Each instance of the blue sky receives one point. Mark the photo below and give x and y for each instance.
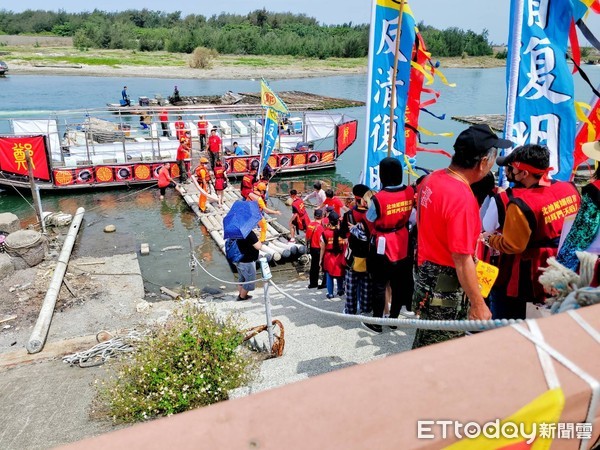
(467, 14)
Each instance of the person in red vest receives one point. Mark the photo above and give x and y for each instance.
(299, 220)
(332, 201)
(531, 231)
(354, 229)
(165, 180)
(389, 260)
(214, 147)
(164, 122)
(202, 132)
(333, 261)
(220, 180)
(314, 230)
(179, 128)
(183, 153)
(247, 185)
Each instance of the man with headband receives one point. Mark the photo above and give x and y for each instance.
(531, 233)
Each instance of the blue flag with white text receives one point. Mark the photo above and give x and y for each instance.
(382, 49)
(270, 134)
(540, 105)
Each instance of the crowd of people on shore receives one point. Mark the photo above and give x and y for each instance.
(418, 249)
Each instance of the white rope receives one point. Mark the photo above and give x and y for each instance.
(101, 352)
(446, 325)
(237, 283)
(590, 380)
(545, 359)
(585, 325)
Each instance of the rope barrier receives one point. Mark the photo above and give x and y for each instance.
(236, 283)
(446, 325)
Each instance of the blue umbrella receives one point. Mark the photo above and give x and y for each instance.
(241, 219)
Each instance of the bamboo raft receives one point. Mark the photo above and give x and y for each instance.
(277, 247)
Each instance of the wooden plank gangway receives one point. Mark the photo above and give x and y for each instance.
(495, 121)
(277, 247)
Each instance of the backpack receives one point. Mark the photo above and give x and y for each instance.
(232, 251)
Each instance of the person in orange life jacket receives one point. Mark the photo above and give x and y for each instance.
(314, 230)
(214, 147)
(202, 180)
(247, 185)
(389, 260)
(299, 220)
(258, 196)
(332, 201)
(449, 226)
(534, 221)
(164, 122)
(202, 132)
(179, 128)
(165, 180)
(220, 180)
(183, 153)
(332, 258)
(354, 229)
(584, 235)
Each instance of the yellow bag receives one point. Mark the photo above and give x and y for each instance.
(359, 264)
(486, 277)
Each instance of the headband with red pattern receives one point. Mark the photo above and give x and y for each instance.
(544, 181)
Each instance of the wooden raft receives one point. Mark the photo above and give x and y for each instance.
(277, 247)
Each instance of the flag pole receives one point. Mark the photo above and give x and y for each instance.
(394, 75)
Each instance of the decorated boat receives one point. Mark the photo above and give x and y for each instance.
(95, 148)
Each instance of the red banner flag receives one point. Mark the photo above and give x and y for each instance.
(13, 159)
(346, 135)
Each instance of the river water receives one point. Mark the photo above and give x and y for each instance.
(139, 215)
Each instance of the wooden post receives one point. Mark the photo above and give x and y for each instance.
(394, 75)
(35, 193)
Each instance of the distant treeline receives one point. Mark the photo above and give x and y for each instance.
(257, 33)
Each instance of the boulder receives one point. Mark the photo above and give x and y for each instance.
(6, 266)
(9, 222)
(26, 247)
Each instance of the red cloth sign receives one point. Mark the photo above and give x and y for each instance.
(346, 135)
(13, 159)
(582, 135)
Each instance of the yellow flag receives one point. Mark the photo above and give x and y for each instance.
(270, 99)
(538, 419)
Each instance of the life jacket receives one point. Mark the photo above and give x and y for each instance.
(545, 208)
(164, 116)
(219, 172)
(298, 205)
(202, 127)
(333, 263)
(394, 206)
(247, 185)
(203, 176)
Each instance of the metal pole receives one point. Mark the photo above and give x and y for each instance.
(192, 260)
(266, 273)
(35, 193)
(394, 75)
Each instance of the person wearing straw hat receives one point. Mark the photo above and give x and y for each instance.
(584, 234)
(531, 232)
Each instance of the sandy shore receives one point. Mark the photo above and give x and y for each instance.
(215, 73)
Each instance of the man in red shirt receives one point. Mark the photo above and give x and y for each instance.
(449, 225)
(179, 128)
(299, 220)
(183, 153)
(313, 241)
(165, 180)
(214, 147)
(332, 201)
(164, 122)
(202, 132)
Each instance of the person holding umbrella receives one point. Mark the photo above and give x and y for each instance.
(238, 225)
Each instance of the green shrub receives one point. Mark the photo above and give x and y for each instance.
(193, 360)
(503, 54)
(201, 58)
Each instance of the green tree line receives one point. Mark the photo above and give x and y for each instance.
(257, 33)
